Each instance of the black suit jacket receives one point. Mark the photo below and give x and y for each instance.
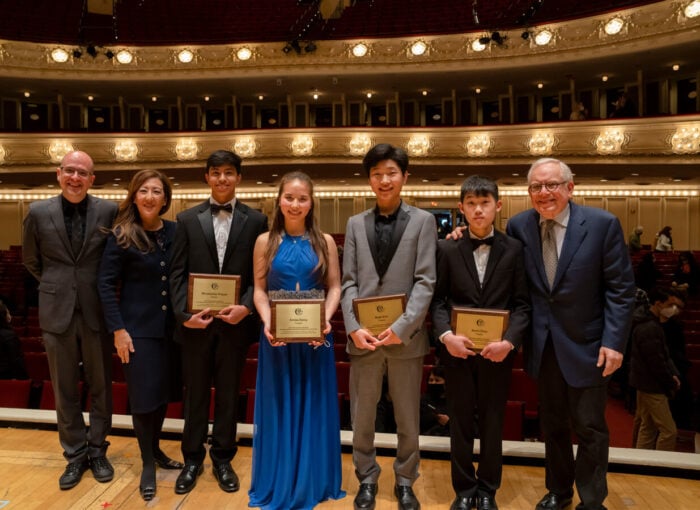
(194, 251)
(504, 287)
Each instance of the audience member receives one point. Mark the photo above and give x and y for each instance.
(296, 440)
(664, 241)
(579, 112)
(652, 372)
(646, 274)
(11, 357)
(389, 250)
(635, 240)
(624, 107)
(133, 286)
(687, 274)
(434, 420)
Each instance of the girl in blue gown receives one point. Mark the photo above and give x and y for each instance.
(296, 439)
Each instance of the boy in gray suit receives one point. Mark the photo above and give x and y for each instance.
(62, 247)
(389, 250)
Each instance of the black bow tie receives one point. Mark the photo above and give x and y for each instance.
(215, 208)
(478, 242)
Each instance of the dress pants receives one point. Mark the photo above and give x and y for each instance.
(563, 410)
(65, 353)
(212, 355)
(477, 390)
(404, 376)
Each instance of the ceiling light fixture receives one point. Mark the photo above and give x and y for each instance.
(125, 57)
(543, 37)
(604, 77)
(91, 98)
(614, 26)
(692, 10)
(478, 45)
(185, 56)
(244, 53)
(369, 95)
(59, 55)
(27, 93)
(418, 48)
(360, 50)
(675, 67)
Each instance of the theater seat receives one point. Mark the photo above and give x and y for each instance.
(15, 393)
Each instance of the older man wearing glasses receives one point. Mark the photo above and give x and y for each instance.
(582, 291)
(62, 247)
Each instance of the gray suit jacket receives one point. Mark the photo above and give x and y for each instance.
(411, 271)
(63, 278)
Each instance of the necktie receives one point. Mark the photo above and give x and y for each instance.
(480, 242)
(549, 251)
(76, 235)
(215, 208)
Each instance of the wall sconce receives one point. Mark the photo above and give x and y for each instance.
(692, 10)
(58, 149)
(126, 151)
(610, 141)
(245, 147)
(418, 48)
(613, 26)
(686, 140)
(477, 45)
(541, 144)
(186, 149)
(359, 145)
(2, 154)
(418, 145)
(543, 37)
(185, 56)
(478, 145)
(302, 145)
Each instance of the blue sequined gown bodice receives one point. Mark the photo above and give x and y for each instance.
(296, 441)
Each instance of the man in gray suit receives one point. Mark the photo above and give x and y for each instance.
(389, 249)
(62, 248)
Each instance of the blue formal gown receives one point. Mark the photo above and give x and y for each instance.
(296, 439)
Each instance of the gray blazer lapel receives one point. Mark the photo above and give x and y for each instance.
(207, 225)
(90, 222)
(56, 214)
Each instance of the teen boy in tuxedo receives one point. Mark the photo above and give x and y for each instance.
(483, 269)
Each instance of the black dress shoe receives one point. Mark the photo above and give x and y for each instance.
(72, 475)
(147, 491)
(102, 470)
(187, 478)
(364, 500)
(226, 476)
(486, 503)
(407, 500)
(462, 503)
(553, 501)
(165, 462)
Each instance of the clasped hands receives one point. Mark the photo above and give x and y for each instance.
(231, 314)
(363, 339)
(457, 346)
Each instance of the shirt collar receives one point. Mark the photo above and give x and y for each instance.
(390, 217)
(560, 219)
(69, 207)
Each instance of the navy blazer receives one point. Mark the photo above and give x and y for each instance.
(592, 299)
(143, 305)
(504, 286)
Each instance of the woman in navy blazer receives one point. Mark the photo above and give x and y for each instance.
(136, 261)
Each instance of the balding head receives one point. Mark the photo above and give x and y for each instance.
(75, 175)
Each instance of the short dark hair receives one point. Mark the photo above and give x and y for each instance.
(223, 157)
(661, 294)
(480, 186)
(382, 152)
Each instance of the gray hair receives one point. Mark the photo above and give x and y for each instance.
(566, 174)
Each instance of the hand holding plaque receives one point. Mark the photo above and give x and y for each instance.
(375, 314)
(213, 291)
(297, 316)
(480, 325)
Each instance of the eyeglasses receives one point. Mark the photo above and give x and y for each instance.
(70, 172)
(549, 186)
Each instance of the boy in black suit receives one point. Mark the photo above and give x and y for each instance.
(482, 270)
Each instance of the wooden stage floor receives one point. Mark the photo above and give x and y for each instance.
(31, 462)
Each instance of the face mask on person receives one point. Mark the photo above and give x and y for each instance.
(669, 311)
